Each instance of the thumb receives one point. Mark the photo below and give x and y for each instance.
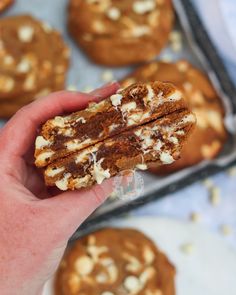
(68, 210)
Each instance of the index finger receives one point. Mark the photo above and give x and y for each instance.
(19, 133)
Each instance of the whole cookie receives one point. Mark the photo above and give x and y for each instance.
(4, 4)
(33, 62)
(115, 262)
(209, 135)
(116, 33)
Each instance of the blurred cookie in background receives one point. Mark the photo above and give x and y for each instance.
(209, 135)
(115, 261)
(33, 62)
(4, 4)
(117, 33)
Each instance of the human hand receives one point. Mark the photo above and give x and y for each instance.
(35, 227)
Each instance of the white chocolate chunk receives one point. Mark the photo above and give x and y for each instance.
(99, 173)
(148, 255)
(53, 172)
(84, 265)
(81, 119)
(41, 142)
(113, 13)
(177, 95)
(44, 156)
(113, 273)
(81, 182)
(132, 284)
(139, 31)
(128, 106)
(58, 122)
(142, 7)
(142, 166)
(62, 184)
(166, 158)
(23, 66)
(107, 293)
(174, 140)
(75, 144)
(158, 146)
(150, 95)
(26, 33)
(146, 275)
(96, 251)
(107, 76)
(116, 99)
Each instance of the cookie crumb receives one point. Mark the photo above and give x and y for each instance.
(195, 217)
(188, 248)
(215, 197)
(208, 183)
(107, 76)
(226, 230)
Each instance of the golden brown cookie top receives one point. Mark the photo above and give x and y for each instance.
(33, 57)
(121, 19)
(112, 262)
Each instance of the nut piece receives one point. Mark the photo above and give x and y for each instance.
(84, 265)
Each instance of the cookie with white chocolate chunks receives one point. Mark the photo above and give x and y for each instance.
(4, 4)
(117, 33)
(130, 107)
(159, 141)
(33, 62)
(210, 134)
(113, 262)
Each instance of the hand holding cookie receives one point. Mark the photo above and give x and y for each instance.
(30, 220)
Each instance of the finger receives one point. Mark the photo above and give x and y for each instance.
(19, 133)
(68, 210)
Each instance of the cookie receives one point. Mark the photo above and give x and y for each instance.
(138, 125)
(33, 62)
(4, 4)
(117, 33)
(115, 261)
(209, 136)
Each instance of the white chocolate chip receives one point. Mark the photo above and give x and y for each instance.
(81, 182)
(58, 122)
(187, 248)
(148, 255)
(62, 184)
(177, 95)
(6, 83)
(166, 158)
(113, 273)
(116, 99)
(41, 142)
(113, 13)
(215, 197)
(8, 60)
(226, 230)
(146, 275)
(96, 251)
(43, 157)
(26, 33)
(99, 173)
(46, 27)
(132, 284)
(139, 31)
(142, 166)
(23, 66)
(151, 94)
(195, 217)
(107, 293)
(29, 83)
(173, 139)
(182, 66)
(142, 7)
(102, 278)
(210, 150)
(84, 265)
(128, 106)
(107, 76)
(53, 172)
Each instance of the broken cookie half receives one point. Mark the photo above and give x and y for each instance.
(141, 124)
